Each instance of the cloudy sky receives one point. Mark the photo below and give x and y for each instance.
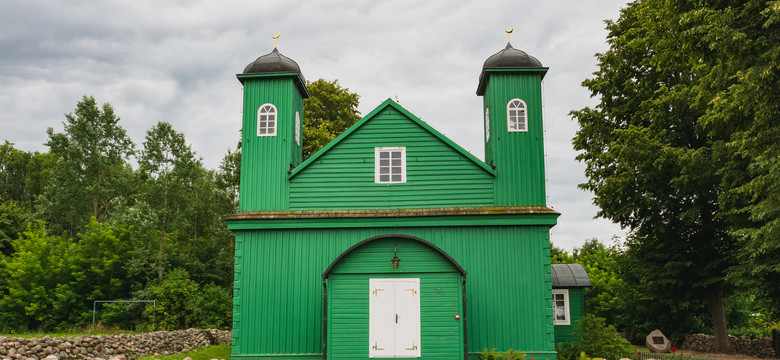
(176, 60)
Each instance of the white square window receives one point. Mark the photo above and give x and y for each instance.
(561, 307)
(389, 165)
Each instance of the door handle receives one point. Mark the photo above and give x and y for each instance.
(396, 318)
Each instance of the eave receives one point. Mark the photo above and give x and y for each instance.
(458, 216)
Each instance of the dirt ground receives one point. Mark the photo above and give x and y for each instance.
(719, 356)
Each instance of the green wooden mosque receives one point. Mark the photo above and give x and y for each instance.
(392, 241)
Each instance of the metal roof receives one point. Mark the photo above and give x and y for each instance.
(274, 63)
(508, 60)
(511, 58)
(569, 276)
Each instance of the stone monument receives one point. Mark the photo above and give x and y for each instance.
(656, 342)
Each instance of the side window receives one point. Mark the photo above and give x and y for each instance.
(517, 116)
(297, 128)
(561, 307)
(487, 124)
(266, 120)
(389, 165)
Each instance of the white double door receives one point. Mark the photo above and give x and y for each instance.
(394, 318)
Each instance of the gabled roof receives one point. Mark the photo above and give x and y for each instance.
(570, 276)
(402, 110)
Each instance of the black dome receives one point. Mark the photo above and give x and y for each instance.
(273, 63)
(506, 60)
(511, 58)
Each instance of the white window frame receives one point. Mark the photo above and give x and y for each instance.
(566, 313)
(267, 113)
(517, 116)
(487, 124)
(297, 128)
(378, 166)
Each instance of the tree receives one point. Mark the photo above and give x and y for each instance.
(745, 82)
(169, 168)
(13, 220)
(29, 278)
(23, 175)
(328, 112)
(659, 147)
(229, 174)
(91, 168)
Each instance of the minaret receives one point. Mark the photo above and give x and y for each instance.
(510, 86)
(274, 89)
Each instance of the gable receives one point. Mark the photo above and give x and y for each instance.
(438, 172)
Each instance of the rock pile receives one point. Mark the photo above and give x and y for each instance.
(754, 347)
(117, 347)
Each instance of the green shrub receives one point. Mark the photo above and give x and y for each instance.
(597, 339)
(491, 354)
(756, 327)
(513, 355)
(182, 303)
(510, 354)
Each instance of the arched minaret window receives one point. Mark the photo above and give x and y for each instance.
(517, 117)
(266, 120)
(297, 128)
(487, 124)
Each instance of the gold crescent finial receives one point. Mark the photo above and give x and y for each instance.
(509, 32)
(276, 37)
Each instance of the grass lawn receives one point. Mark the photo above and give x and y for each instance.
(204, 353)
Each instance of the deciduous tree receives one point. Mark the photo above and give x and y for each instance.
(329, 111)
(680, 89)
(13, 220)
(23, 175)
(91, 168)
(169, 171)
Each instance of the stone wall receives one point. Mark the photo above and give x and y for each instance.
(754, 347)
(131, 346)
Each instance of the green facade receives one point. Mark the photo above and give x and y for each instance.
(438, 174)
(278, 284)
(269, 157)
(565, 333)
(441, 287)
(518, 157)
(310, 235)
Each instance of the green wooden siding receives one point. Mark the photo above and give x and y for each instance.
(517, 156)
(437, 174)
(278, 300)
(564, 333)
(267, 159)
(441, 295)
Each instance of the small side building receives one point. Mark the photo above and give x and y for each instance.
(570, 282)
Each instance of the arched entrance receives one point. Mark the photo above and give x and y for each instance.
(374, 310)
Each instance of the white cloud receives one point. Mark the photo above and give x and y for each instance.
(165, 60)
